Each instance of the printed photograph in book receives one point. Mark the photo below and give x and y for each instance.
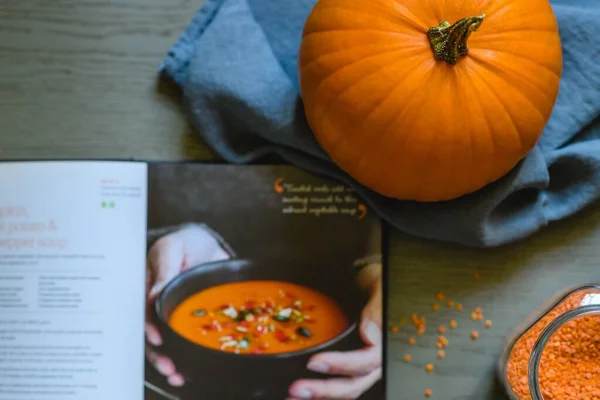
(263, 282)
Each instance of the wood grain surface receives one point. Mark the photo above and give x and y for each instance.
(515, 280)
(78, 80)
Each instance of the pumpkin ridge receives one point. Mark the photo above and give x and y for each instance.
(391, 49)
(518, 91)
(501, 103)
(518, 30)
(426, 185)
(354, 63)
(361, 5)
(533, 61)
(371, 30)
(437, 9)
(503, 37)
(389, 127)
(362, 78)
(409, 17)
(347, 88)
(389, 94)
(464, 104)
(501, 7)
(380, 103)
(361, 13)
(524, 81)
(484, 5)
(488, 125)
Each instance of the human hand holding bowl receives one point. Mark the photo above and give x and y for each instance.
(167, 258)
(361, 368)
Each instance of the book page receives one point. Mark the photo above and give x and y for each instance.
(72, 257)
(267, 281)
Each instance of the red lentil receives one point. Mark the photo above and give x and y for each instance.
(428, 393)
(450, 304)
(443, 341)
(488, 324)
(477, 275)
(429, 367)
(440, 296)
(453, 324)
(474, 335)
(477, 315)
(420, 323)
(412, 341)
(442, 329)
(414, 319)
(441, 354)
(407, 358)
(435, 307)
(459, 307)
(569, 368)
(395, 329)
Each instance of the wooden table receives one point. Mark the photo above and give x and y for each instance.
(78, 80)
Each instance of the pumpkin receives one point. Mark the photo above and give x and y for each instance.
(429, 100)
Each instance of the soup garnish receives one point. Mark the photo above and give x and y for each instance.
(259, 317)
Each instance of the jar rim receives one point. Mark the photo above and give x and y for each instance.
(540, 344)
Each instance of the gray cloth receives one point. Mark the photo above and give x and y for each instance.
(236, 63)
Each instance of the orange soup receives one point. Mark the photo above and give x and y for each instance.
(258, 317)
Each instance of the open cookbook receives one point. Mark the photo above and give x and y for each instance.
(132, 280)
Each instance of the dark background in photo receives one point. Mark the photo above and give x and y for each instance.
(242, 205)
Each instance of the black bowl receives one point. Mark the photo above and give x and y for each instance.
(213, 374)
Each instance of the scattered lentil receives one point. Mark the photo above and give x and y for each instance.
(395, 329)
(450, 304)
(474, 335)
(420, 323)
(435, 307)
(429, 367)
(442, 329)
(412, 341)
(453, 324)
(440, 296)
(488, 324)
(443, 341)
(403, 320)
(477, 314)
(428, 393)
(407, 358)
(477, 275)
(441, 354)
(414, 319)
(459, 307)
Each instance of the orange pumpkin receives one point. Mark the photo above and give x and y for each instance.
(429, 100)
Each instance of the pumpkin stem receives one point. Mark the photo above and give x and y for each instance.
(449, 42)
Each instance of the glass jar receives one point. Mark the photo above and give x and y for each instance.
(554, 354)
